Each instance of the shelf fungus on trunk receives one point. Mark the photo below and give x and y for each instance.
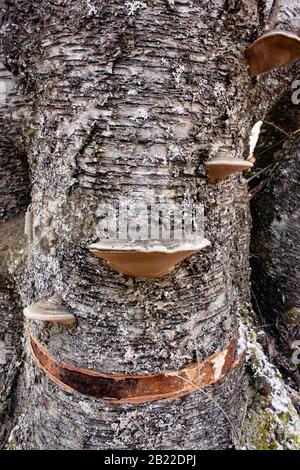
(119, 389)
(272, 50)
(148, 261)
(50, 310)
(219, 168)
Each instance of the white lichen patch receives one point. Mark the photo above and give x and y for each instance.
(91, 7)
(202, 89)
(262, 368)
(132, 93)
(140, 115)
(175, 153)
(178, 109)
(165, 62)
(178, 74)
(133, 7)
(243, 340)
(155, 159)
(219, 92)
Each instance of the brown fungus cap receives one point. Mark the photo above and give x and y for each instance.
(271, 51)
(152, 263)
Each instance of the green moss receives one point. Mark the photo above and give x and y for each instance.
(11, 445)
(292, 316)
(272, 422)
(268, 431)
(263, 439)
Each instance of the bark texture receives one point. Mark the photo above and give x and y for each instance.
(129, 99)
(14, 191)
(282, 15)
(276, 236)
(13, 167)
(275, 252)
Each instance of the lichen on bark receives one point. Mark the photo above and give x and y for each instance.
(272, 422)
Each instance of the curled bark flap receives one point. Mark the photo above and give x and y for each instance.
(123, 388)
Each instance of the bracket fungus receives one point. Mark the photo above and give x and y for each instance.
(219, 168)
(50, 310)
(272, 50)
(146, 261)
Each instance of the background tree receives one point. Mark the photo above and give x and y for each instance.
(275, 232)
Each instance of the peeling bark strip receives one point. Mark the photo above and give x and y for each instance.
(124, 388)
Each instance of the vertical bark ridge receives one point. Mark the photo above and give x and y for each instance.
(14, 184)
(14, 181)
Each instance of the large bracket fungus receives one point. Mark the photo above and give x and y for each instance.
(146, 261)
(272, 50)
(50, 310)
(280, 44)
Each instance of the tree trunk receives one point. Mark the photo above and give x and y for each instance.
(275, 233)
(129, 101)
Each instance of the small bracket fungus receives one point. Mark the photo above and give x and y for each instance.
(50, 310)
(146, 262)
(220, 168)
(271, 51)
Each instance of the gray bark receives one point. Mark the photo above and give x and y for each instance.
(13, 166)
(131, 102)
(282, 15)
(14, 191)
(275, 248)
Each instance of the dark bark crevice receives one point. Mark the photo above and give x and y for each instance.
(275, 233)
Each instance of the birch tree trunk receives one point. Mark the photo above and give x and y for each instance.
(129, 100)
